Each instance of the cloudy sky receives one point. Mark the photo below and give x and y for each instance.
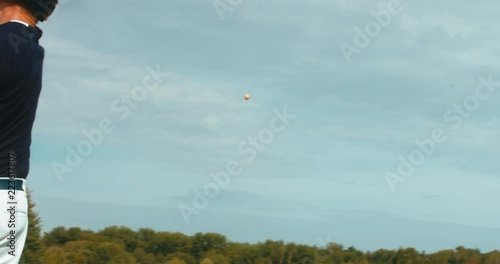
(359, 100)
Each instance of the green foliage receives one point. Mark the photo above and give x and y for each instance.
(125, 246)
(183, 256)
(59, 236)
(144, 258)
(123, 236)
(122, 245)
(492, 258)
(205, 242)
(206, 261)
(176, 261)
(55, 255)
(168, 243)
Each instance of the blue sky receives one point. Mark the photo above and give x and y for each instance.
(325, 173)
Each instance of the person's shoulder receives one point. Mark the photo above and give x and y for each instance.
(5, 46)
(10, 37)
(16, 37)
(9, 32)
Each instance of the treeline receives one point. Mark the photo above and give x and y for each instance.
(121, 245)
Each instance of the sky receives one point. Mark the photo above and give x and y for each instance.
(371, 123)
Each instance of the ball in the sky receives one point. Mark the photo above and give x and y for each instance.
(247, 97)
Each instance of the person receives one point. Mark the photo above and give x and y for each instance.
(21, 64)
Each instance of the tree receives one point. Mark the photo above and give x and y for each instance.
(204, 242)
(168, 243)
(241, 253)
(34, 248)
(111, 253)
(442, 257)
(215, 257)
(406, 255)
(144, 258)
(263, 261)
(206, 261)
(55, 255)
(467, 256)
(382, 256)
(176, 261)
(122, 235)
(188, 259)
(492, 258)
(80, 252)
(121, 245)
(58, 236)
(147, 238)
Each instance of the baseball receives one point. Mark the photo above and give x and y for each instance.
(247, 96)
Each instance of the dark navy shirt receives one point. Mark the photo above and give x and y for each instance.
(21, 63)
